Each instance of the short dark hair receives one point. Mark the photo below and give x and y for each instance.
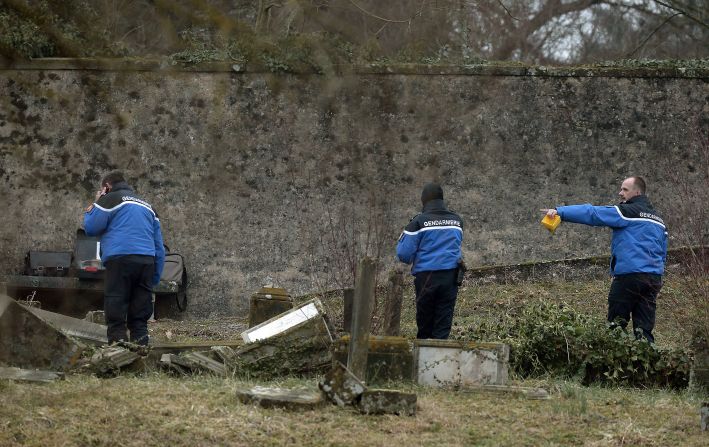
(639, 183)
(112, 178)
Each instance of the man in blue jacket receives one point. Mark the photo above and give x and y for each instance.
(431, 243)
(638, 253)
(133, 253)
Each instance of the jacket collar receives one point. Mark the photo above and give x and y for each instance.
(124, 186)
(642, 198)
(435, 205)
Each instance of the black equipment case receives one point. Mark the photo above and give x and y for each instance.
(47, 263)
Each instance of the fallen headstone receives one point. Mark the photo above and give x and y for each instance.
(29, 375)
(450, 363)
(166, 362)
(389, 359)
(296, 342)
(379, 401)
(226, 354)
(28, 342)
(83, 330)
(193, 361)
(341, 387)
(110, 359)
(279, 397)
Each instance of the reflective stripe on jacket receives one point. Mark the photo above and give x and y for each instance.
(639, 241)
(432, 240)
(126, 225)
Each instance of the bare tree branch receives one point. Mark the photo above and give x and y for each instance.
(653, 32)
(682, 10)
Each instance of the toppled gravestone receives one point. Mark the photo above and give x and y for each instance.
(226, 354)
(380, 401)
(268, 397)
(190, 362)
(453, 363)
(84, 331)
(28, 342)
(295, 342)
(389, 359)
(341, 387)
(109, 360)
(29, 375)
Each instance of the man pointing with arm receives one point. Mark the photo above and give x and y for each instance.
(638, 253)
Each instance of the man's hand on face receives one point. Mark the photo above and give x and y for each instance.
(100, 193)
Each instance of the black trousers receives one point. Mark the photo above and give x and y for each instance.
(128, 297)
(436, 292)
(634, 294)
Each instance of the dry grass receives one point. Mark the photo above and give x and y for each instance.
(156, 409)
(161, 410)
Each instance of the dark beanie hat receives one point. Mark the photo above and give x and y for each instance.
(430, 192)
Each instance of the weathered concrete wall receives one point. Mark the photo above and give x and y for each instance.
(262, 178)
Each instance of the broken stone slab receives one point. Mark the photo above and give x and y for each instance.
(381, 401)
(83, 330)
(269, 397)
(389, 359)
(226, 354)
(166, 362)
(341, 387)
(297, 342)
(26, 341)
(193, 361)
(285, 322)
(454, 364)
(527, 392)
(29, 375)
(110, 359)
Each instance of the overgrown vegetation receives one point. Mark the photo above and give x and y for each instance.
(553, 339)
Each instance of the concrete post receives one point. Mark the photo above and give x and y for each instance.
(348, 297)
(392, 310)
(361, 317)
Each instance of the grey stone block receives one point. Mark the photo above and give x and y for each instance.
(380, 401)
(268, 397)
(341, 387)
(28, 342)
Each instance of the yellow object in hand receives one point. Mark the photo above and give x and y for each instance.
(551, 223)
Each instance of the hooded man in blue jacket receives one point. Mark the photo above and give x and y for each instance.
(133, 253)
(638, 253)
(431, 243)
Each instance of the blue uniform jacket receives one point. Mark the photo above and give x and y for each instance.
(432, 240)
(639, 242)
(127, 225)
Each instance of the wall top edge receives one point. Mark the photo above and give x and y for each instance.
(483, 69)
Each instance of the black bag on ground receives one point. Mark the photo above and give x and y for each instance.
(47, 263)
(174, 273)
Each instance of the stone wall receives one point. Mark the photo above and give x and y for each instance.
(286, 178)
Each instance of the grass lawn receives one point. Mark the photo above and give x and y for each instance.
(157, 409)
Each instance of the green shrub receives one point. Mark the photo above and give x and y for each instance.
(548, 338)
